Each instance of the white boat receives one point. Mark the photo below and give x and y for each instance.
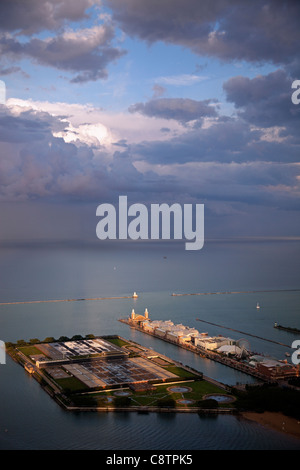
(257, 305)
(135, 296)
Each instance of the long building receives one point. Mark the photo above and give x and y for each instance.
(223, 349)
(179, 333)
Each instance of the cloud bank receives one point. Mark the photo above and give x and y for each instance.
(160, 147)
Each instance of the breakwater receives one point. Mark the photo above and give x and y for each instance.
(243, 333)
(236, 292)
(287, 328)
(65, 300)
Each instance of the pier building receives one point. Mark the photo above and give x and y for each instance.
(178, 333)
(139, 318)
(231, 352)
(214, 343)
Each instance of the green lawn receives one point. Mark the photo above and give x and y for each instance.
(71, 383)
(198, 390)
(117, 341)
(30, 351)
(150, 398)
(180, 372)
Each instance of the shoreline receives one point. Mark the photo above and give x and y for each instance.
(276, 421)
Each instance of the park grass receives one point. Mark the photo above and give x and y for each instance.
(198, 389)
(71, 384)
(180, 372)
(30, 351)
(150, 398)
(117, 341)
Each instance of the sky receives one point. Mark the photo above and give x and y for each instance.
(165, 101)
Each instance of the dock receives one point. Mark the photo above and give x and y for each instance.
(242, 367)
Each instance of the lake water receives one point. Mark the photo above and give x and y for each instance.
(30, 419)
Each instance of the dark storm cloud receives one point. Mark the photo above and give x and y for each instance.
(227, 144)
(29, 126)
(180, 109)
(32, 16)
(36, 165)
(230, 162)
(87, 52)
(219, 166)
(225, 141)
(227, 29)
(264, 100)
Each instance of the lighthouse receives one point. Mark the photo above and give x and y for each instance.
(146, 314)
(133, 314)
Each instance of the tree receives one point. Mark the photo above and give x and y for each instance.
(50, 339)
(166, 402)
(62, 339)
(210, 403)
(122, 401)
(34, 341)
(76, 337)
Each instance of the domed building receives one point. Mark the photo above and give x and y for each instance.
(138, 318)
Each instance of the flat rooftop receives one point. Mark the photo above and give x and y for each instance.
(84, 347)
(112, 372)
(100, 363)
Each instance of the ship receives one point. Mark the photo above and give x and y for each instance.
(257, 305)
(135, 296)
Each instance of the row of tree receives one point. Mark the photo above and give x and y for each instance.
(49, 339)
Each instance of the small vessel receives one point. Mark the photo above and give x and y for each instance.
(257, 305)
(135, 296)
(287, 354)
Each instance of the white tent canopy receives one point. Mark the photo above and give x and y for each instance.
(230, 349)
